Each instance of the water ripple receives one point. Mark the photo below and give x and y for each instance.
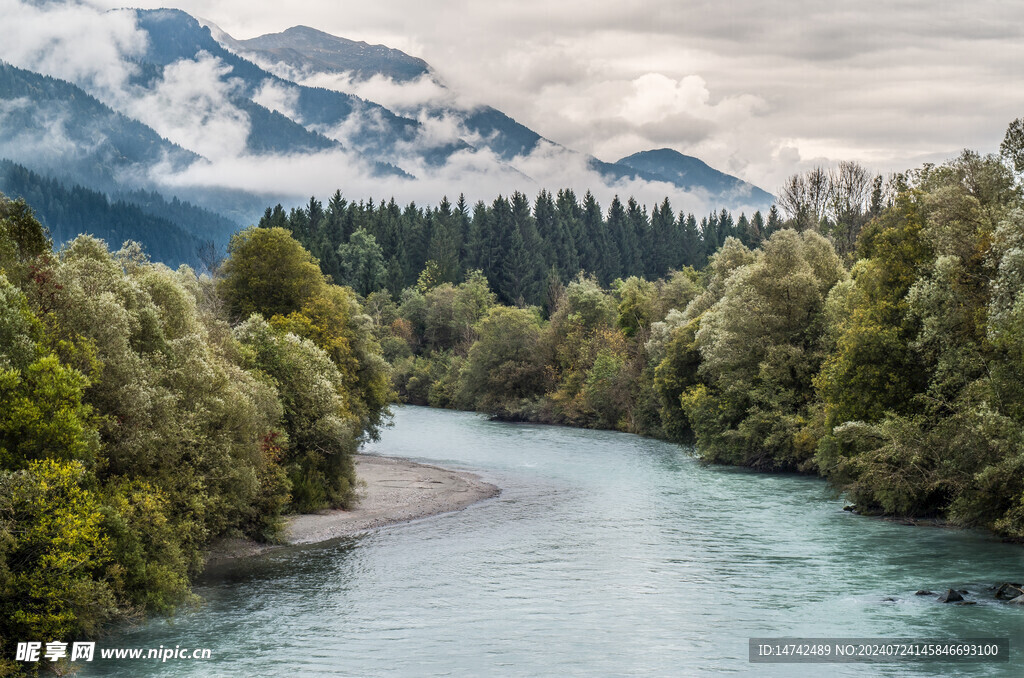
(605, 555)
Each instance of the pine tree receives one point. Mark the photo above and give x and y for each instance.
(477, 250)
(337, 213)
(618, 236)
(692, 245)
(417, 239)
(276, 218)
(547, 228)
(756, 229)
(314, 216)
(662, 225)
(726, 228)
(464, 224)
(496, 247)
(591, 232)
(516, 271)
(567, 224)
(774, 223)
(632, 249)
(743, 229)
(709, 234)
(445, 242)
(533, 275)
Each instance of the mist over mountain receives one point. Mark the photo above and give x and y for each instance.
(57, 126)
(67, 211)
(309, 55)
(156, 102)
(684, 170)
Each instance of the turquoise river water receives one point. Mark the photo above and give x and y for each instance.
(605, 555)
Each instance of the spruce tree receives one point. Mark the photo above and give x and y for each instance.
(726, 228)
(616, 227)
(692, 245)
(568, 226)
(533, 245)
(464, 223)
(774, 223)
(591, 231)
(632, 248)
(445, 242)
(662, 226)
(756, 229)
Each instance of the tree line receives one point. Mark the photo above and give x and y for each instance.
(893, 369)
(520, 246)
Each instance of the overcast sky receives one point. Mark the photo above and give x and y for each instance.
(757, 88)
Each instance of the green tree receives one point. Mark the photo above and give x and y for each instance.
(1012, 147)
(446, 243)
(872, 368)
(53, 554)
(361, 263)
(22, 239)
(761, 345)
(504, 372)
(267, 272)
(321, 433)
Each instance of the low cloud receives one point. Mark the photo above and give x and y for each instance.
(604, 110)
(407, 97)
(45, 140)
(71, 41)
(191, 106)
(478, 174)
(277, 96)
(880, 82)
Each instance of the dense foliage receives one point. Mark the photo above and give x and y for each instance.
(874, 336)
(520, 247)
(146, 412)
(68, 212)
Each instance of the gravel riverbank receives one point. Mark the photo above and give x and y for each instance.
(393, 491)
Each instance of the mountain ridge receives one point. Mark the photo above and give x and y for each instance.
(673, 166)
(495, 130)
(301, 46)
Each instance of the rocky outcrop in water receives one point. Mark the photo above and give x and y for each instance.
(1009, 591)
(950, 596)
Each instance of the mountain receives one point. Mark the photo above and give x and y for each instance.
(55, 128)
(269, 131)
(307, 49)
(54, 125)
(691, 173)
(304, 52)
(67, 211)
(363, 126)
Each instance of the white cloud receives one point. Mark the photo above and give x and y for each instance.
(480, 175)
(71, 41)
(191, 106)
(402, 97)
(656, 96)
(47, 142)
(277, 96)
(436, 130)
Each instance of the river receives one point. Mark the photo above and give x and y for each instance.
(606, 554)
